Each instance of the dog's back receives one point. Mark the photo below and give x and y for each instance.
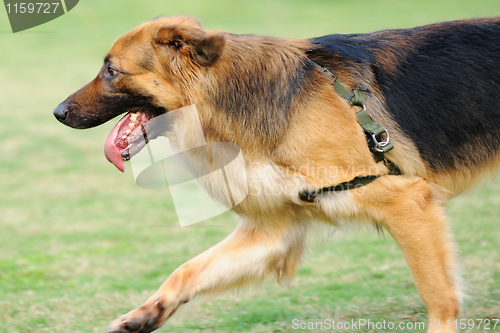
(439, 83)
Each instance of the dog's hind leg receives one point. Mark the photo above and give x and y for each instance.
(255, 250)
(411, 211)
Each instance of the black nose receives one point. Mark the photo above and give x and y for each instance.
(61, 111)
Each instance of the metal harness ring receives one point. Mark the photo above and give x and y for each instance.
(380, 144)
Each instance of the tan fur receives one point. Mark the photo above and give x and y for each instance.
(315, 142)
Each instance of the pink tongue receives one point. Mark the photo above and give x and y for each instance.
(111, 151)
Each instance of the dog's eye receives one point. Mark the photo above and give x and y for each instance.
(178, 43)
(112, 71)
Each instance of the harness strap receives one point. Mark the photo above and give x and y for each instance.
(373, 131)
(310, 196)
(356, 97)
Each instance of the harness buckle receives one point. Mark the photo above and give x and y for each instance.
(326, 71)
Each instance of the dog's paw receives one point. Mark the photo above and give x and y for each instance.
(145, 319)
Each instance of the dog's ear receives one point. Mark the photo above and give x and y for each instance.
(205, 50)
(208, 50)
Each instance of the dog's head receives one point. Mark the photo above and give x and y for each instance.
(148, 71)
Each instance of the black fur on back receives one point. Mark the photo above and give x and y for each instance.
(441, 84)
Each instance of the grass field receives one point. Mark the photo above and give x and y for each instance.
(80, 243)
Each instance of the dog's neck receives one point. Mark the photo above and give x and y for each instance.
(259, 82)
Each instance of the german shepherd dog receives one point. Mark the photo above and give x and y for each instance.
(435, 89)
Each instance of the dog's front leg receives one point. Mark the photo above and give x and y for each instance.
(256, 249)
(413, 214)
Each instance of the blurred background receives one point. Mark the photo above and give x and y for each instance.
(80, 243)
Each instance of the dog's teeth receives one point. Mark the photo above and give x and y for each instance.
(126, 155)
(128, 131)
(133, 117)
(124, 137)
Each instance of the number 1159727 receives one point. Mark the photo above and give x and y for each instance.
(30, 8)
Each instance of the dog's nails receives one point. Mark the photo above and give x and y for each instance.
(150, 322)
(133, 326)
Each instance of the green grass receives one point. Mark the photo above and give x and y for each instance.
(80, 243)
